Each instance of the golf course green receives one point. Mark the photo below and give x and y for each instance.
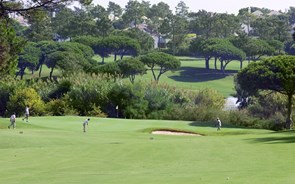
(54, 150)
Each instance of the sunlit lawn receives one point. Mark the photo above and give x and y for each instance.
(52, 150)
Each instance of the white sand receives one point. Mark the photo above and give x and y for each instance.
(160, 132)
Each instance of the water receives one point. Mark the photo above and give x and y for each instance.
(230, 103)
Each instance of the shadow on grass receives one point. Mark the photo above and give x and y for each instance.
(276, 138)
(193, 74)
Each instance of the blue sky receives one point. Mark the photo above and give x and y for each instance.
(220, 6)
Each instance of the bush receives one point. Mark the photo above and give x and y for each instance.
(88, 90)
(209, 98)
(96, 111)
(7, 86)
(266, 104)
(43, 87)
(60, 90)
(59, 107)
(130, 99)
(158, 99)
(25, 97)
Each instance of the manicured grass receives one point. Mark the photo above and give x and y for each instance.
(115, 151)
(193, 75)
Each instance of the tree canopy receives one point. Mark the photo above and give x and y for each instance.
(162, 61)
(275, 74)
(130, 67)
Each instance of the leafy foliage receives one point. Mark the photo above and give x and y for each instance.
(131, 67)
(25, 97)
(10, 46)
(164, 61)
(275, 74)
(29, 58)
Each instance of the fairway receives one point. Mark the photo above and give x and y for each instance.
(54, 150)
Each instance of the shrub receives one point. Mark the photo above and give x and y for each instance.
(96, 111)
(87, 90)
(43, 87)
(60, 90)
(7, 86)
(60, 107)
(209, 98)
(25, 97)
(130, 99)
(266, 104)
(158, 99)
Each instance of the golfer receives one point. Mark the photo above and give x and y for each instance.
(218, 124)
(12, 121)
(85, 123)
(27, 113)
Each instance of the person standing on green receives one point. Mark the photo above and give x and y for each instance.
(12, 121)
(27, 113)
(218, 124)
(85, 123)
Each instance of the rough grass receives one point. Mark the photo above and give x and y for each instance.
(115, 151)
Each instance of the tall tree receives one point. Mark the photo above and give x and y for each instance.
(226, 52)
(272, 27)
(160, 10)
(26, 8)
(256, 48)
(159, 61)
(40, 27)
(130, 67)
(104, 26)
(145, 40)
(29, 58)
(275, 74)
(10, 46)
(61, 23)
(174, 27)
(226, 25)
(202, 23)
(133, 13)
(156, 15)
(181, 9)
(291, 15)
(114, 9)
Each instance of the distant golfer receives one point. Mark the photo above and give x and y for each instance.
(12, 121)
(218, 124)
(27, 113)
(85, 123)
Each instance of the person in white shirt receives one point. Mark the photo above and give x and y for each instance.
(85, 123)
(27, 113)
(218, 124)
(12, 121)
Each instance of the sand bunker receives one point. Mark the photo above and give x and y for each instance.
(168, 132)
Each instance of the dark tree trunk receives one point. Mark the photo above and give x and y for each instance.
(50, 74)
(289, 112)
(40, 70)
(241, 64)
(207, 66)
(215, 63)
(221, 66)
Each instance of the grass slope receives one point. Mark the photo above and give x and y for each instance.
(115, 151)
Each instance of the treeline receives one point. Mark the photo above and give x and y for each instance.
(100, 96)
